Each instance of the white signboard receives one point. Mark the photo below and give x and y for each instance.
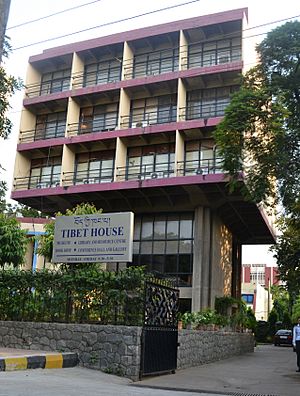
(93, 238)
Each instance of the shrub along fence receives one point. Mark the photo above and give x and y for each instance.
(73, 295)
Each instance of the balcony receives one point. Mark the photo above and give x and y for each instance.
(146, 171)
(203, 110)
(150, 64)
(200, 167)
(95, 176)
(107, 122)
(49, 86)
(213, 53)
(36, 182)
(143, 117)
(49, 132)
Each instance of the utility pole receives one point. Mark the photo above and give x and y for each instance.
(4, 11)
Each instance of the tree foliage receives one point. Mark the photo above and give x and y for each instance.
(13, 242)
(260, 133)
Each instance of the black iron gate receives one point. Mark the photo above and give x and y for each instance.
(160, 331)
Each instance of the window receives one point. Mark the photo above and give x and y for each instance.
(154, 63)
(50, 126)
(45, 172)
(214, 52)
(150, 162)
(208, 103)
(57, 81)
(102, 72)
(201, 157)
(95, 167)
(99, 118)
(157, 110)
(164, 244)
(248, 298)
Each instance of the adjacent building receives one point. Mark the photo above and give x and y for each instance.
(257, 280)
(126, 121)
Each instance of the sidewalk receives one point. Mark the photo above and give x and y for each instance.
(268, 371)
(22, 359)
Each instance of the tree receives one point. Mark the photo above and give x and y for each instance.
(260, 137)
(46, 241)
(260, 133)
(8, 86)
(13, 242)
(287, 253)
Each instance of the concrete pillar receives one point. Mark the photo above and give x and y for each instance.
(201, 259)
(181, 101)
(27, 122)
(183, 51)
(127, 62)
(22, 168)
(124, 109)
(77, 71)
(73, 115)
(237, 269)
(179, 154)
(67, 163)
(120, 159)
(32, 81)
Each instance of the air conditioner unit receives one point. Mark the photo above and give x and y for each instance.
(43, 185)
(198, 171)
(156, 175)
(141, 124)
(88, 181)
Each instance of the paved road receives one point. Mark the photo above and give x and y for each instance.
(74, 381)
(268, 371)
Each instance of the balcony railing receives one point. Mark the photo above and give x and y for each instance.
(146, 171)
(164, 63)
(129, 172)
(95, 176)
(34, 182)
(108, 123)
(48, 87)
(92, 78)
(197, 110)
(200, 167)
(42, 134)
(143, 118)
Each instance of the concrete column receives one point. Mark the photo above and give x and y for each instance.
(32, 81)
(68, 162)
(27, 122)
(22, 167)
(127, 62)
(73, 115)
(237, 269)
(179, 154)
(181, 101)
(201, 259)
(183, 51)
(124, 109)
(120, 159)
(77, 71)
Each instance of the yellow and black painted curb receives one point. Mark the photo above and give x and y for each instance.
(54, 360)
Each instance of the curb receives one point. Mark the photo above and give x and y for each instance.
(48, 361)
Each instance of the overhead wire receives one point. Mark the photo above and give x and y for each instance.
(148, 13)
(107, 24)
(51, 15)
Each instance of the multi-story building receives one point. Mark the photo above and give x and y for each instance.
(257, 280)
(126, 122)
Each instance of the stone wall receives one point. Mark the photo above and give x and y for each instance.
(117, 349)
(113, 349)
(200, 347)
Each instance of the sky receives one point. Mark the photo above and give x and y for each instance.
(101, 14)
